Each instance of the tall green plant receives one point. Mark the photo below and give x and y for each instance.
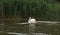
(25, 8)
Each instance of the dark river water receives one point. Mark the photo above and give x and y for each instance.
(23, 29)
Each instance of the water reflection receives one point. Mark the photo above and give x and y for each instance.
(27, 33)
(40, 29)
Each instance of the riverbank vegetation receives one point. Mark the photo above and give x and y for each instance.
(39, 9)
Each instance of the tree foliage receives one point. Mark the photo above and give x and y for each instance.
(26, 8)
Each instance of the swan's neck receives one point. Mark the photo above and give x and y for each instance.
(29, 18)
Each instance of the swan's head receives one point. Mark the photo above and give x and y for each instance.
(31, 20)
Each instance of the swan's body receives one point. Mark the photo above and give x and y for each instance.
(31, 20)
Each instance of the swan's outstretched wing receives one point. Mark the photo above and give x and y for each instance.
(12, 33)
(47, 22)
(23, 23)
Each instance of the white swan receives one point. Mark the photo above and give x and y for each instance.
(31, 20)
